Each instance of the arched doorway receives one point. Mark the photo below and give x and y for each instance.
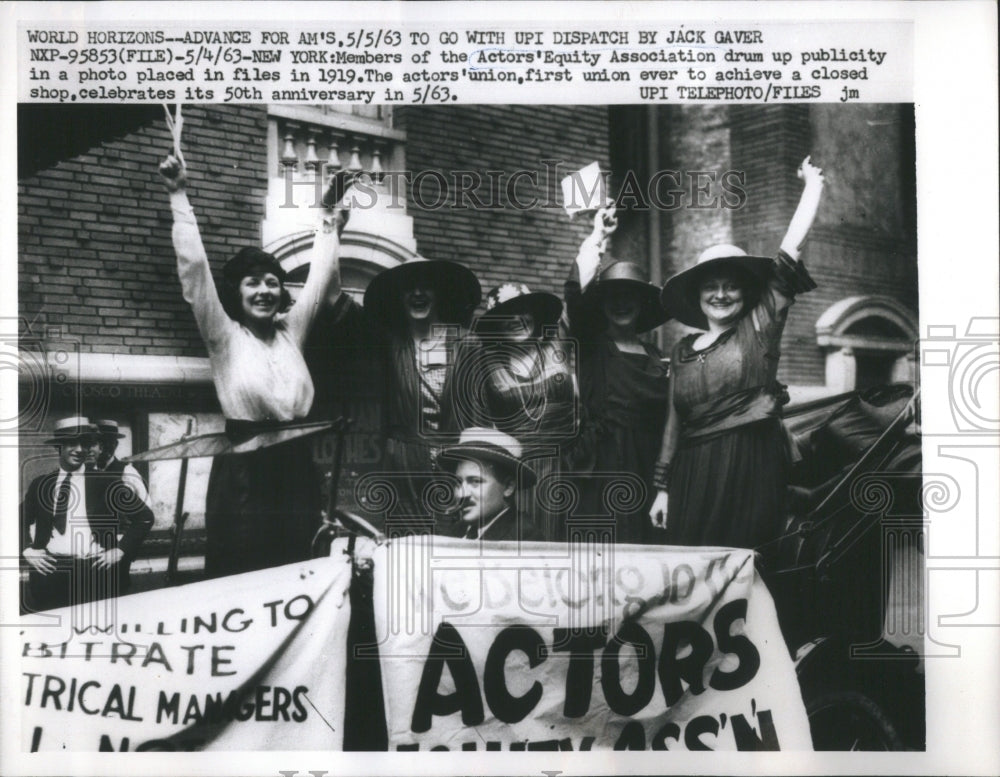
(362, 256)
(869, 340)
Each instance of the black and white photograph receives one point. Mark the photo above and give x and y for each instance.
(362, 417)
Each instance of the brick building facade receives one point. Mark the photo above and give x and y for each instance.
(97, 277)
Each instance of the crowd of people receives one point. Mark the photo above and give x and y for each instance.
(533, 409)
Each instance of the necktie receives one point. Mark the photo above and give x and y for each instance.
(62, 504)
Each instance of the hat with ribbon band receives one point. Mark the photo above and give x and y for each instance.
(680, 293)
(509, 299)
(488, 445)
(108, 428)
(71, 429)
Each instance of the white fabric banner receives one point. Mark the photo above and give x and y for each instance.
(250, 662)
(494, 646)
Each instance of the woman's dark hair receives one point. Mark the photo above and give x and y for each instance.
(249, 261)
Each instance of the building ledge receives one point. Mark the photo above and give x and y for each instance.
(129, 368)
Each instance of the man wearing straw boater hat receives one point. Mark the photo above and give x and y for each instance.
(109, 435)
(490, 469)
(79, 532)
(107, 461)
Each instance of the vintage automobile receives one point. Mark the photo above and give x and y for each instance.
(856, 521)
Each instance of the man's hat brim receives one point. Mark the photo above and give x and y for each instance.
(492, 454)
(73, 437)
(106, 430)
(651, 313)
(679, 295)
(458, 290)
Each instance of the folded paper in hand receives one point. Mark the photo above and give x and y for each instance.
(584, 190)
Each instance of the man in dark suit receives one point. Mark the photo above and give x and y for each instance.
(80, 528)
(107, 461)
(491, 472)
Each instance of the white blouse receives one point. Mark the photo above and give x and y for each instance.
(255, 379)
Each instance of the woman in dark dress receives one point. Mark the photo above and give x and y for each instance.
(623, 386)
(724, 462)
(516, 375)
(407, 334)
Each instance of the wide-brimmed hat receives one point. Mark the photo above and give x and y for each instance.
(491, 446)
(458, 290)
(70, 429)
(680, 294)
(629, 275)
(107, 428)
(508, 299)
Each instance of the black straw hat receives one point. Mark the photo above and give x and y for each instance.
(628, 275)
(458, 289)
(680, 294)
(508, 299)
(491, 446)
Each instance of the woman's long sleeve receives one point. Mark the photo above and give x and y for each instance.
(788, 279)
(574, 322)
(668, 447)
(194, 272)
(322, 267)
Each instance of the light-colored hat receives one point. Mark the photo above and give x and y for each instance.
(478, 443)
(508, 298)
(72, 428)
(108, 428)
(679, 295)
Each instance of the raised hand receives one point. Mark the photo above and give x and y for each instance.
(605, 223)
(173, 173)
(808, 172)
(337, 208)
(812, 192)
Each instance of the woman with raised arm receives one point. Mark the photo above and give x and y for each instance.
(623, 384)
(723, 467)
(263, 507)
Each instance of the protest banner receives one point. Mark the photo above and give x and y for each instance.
(249, 662)
(542, 647)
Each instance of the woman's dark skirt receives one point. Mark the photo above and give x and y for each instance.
(729, 490)
(262, 509)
